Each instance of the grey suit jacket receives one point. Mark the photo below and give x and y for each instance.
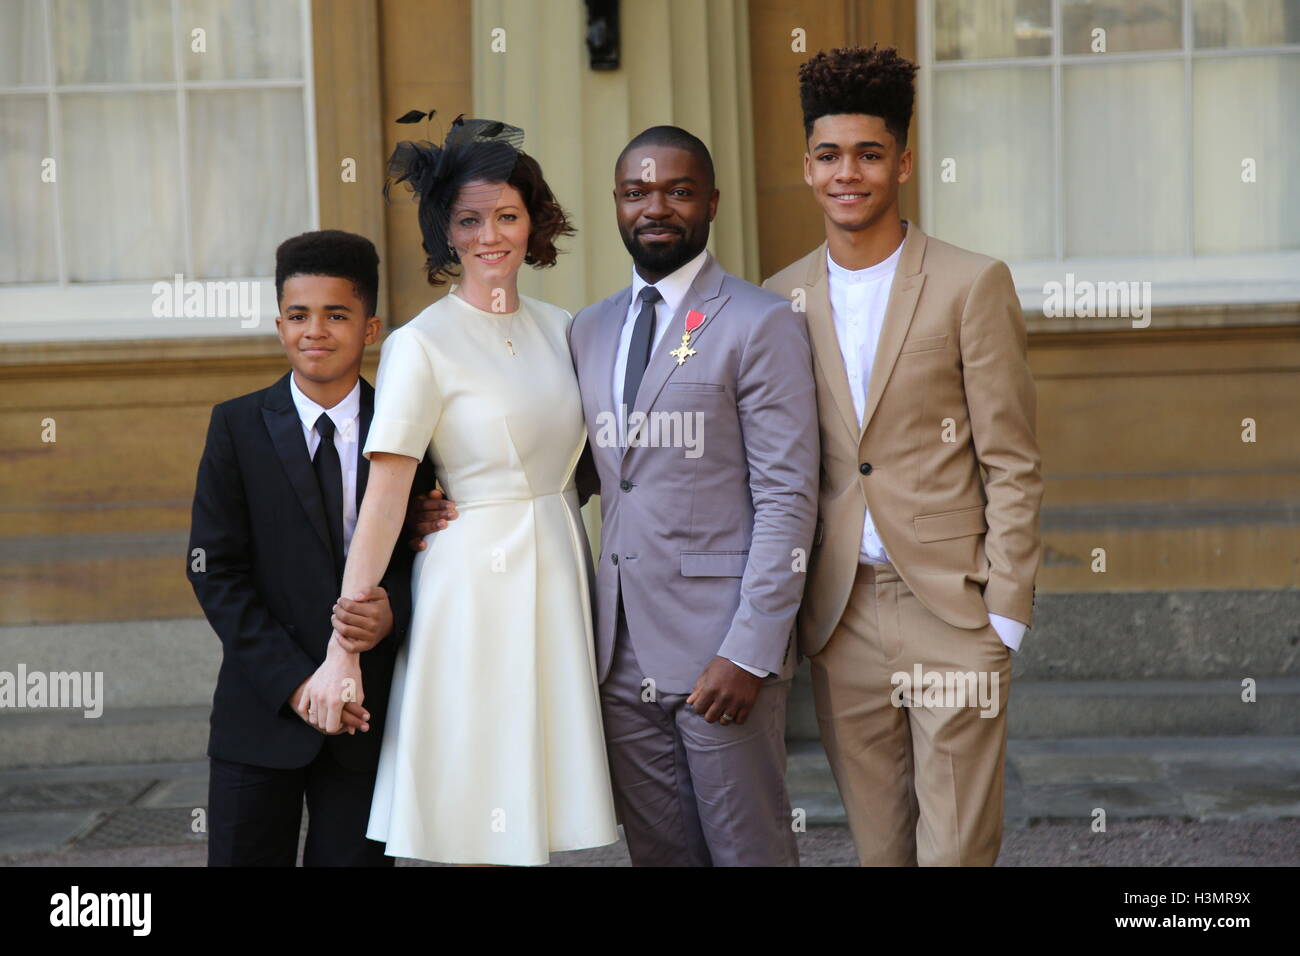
(708, 507)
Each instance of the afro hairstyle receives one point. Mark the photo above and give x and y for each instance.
(331, 252)
(873, 82)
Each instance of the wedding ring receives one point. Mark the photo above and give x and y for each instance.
(727, 718)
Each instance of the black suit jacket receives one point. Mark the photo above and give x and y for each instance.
(267, 582)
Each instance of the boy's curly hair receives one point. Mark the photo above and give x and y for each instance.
(854, 79)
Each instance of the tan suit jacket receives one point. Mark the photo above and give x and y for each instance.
(945, 457)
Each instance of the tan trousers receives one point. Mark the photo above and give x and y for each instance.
(922, 783)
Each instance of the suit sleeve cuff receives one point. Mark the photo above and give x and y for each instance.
(757, 672)
(1011, 632)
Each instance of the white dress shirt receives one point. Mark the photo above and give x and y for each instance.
(346, 416)
(858, 299)
(672, 289)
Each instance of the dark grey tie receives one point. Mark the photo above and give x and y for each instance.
(638, 353)
(329, 472)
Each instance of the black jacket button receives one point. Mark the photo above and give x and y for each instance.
(865, 467)
(625, 485)
(614, 558)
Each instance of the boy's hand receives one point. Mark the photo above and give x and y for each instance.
(363, 621)
(355, 717)
(426, 514)
(335, 683)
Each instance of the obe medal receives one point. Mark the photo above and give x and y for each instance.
(684, 351)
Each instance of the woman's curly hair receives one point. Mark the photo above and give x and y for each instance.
(874, 82)
(548, 222)
(474, 150)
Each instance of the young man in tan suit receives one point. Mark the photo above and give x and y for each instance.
(921, 577)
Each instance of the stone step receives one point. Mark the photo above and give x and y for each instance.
(1064, 782)
(1162, 635)
(1103, 637)
(1120, 708)
(1040, 711)
(120, 736)
(1201, 778)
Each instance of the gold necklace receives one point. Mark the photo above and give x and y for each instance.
(509, 338)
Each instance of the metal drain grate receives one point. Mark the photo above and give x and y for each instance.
(143, 826)
(72, 796)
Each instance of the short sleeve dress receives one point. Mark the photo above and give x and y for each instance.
(493, 750)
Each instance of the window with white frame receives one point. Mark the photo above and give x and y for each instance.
(1121, 140)
(141, 140)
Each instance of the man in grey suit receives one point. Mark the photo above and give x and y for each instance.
(701, 409)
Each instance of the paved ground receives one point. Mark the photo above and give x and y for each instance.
(1167, 802)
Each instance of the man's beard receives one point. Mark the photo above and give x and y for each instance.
(663, 258)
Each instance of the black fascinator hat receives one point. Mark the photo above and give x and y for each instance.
(475, 149)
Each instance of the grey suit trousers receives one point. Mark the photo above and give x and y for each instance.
(691, 793)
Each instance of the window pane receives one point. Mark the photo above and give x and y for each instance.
(1230, 23)
(246, 39)
(1149, 25)
(1125, 173)
(1233, 215)
(121, 186)
(985, 29)
(22, 43)
(993, 131)
(27, 240)
(248, 179)
(113, 41)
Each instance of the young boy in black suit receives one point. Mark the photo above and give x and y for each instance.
(277, 496)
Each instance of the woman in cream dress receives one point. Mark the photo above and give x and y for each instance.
(493, 750)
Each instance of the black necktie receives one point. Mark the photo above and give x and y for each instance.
(329, 472)
(638, 353)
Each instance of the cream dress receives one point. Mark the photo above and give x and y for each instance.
(493, 750)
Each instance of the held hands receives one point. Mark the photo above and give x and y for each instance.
(354, 716)
(330, 700)
(428, 513)
(724, 692)
(362, 621)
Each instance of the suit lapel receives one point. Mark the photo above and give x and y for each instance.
(600, 359)
(703, 296)
(285, 428)
(825, 343)
(903, 296)
(363, 463)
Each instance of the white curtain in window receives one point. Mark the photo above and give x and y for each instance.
(113, 41)
(120, 178)
(1247, 114)
(121, 186)
(22, 43)
(1135, 180)
(246, 39)
(992, 130)
(1235, 23)
(27, 207)
(248, 180)
(1125, 158)
(992, 28)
